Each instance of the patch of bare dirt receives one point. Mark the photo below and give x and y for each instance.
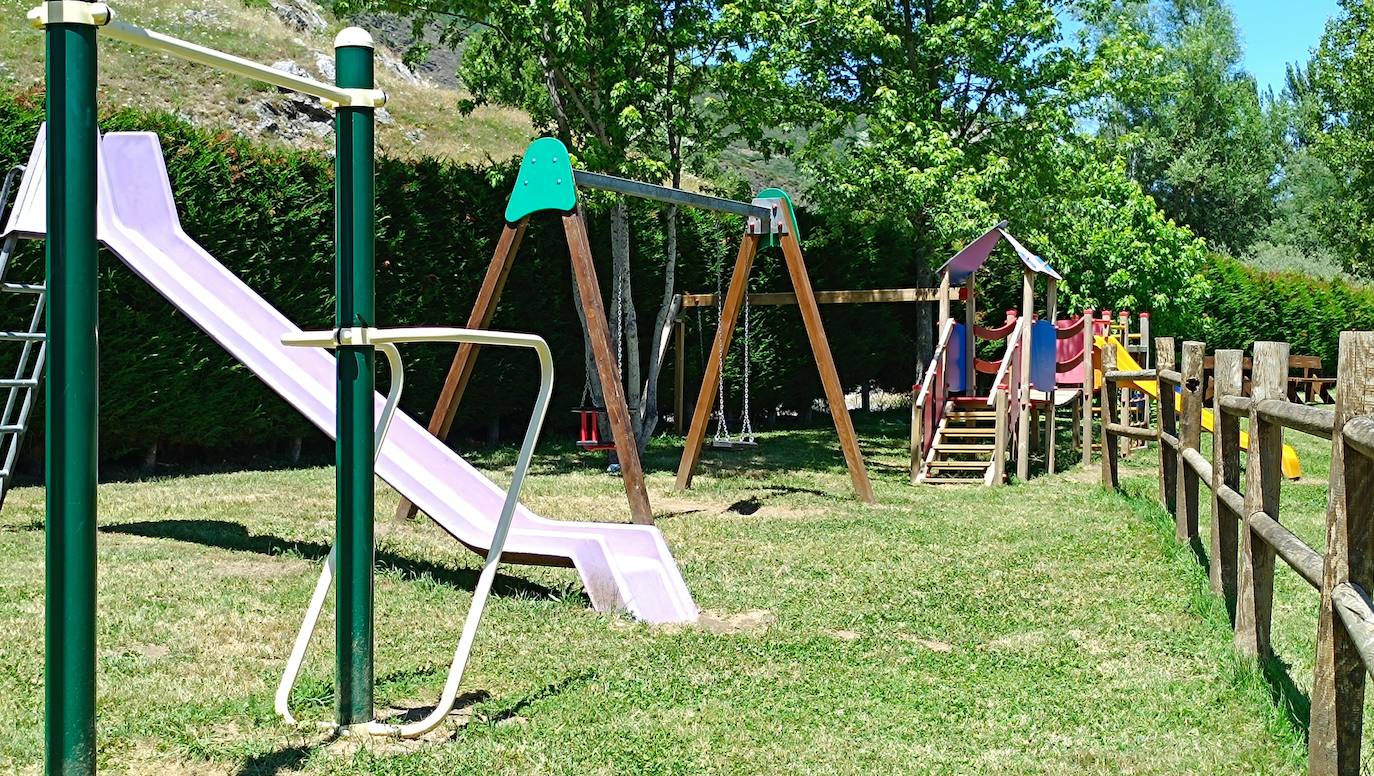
(724, 624)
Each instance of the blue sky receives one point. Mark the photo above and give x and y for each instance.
(1276, 32)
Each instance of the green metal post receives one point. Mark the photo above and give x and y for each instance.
(69, 637)
(355, 306)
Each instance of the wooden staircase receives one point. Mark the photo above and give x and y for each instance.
(965, 444)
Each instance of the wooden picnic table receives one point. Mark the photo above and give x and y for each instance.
(1305, 382)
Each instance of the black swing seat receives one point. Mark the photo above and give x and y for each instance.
(733, 444)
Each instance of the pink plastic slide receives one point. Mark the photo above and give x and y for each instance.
(623, 567)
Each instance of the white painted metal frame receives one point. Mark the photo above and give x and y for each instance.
(385, 340)
(103, 17)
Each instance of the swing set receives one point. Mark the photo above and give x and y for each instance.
(547, 182)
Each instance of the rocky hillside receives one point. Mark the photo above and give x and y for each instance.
(421, 117)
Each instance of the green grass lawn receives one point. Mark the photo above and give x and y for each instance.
(1047, 627)
(1302, 509)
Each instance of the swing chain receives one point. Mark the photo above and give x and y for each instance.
(746, 428)
(722, 431)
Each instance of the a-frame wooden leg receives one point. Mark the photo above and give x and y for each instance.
(825, 364)
(710, 380)
(613, 390)
(460, 371)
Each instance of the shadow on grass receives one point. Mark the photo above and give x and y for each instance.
(1295, 704)
(288, 759)
(225, 535)
(1270, 676)
(547, 691)
(409, 715)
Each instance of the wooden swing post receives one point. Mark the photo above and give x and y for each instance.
(546, 182)
(815, 331)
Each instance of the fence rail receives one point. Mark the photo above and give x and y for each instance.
(1247, 536)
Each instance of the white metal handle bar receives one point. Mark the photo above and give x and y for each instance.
(384, 340)
(100, 15)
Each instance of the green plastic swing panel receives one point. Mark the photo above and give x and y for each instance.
(545, 181)
(791, 212)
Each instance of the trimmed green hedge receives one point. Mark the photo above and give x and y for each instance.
(265, 212)
(1244, 305)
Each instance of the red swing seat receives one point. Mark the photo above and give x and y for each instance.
(589, 430)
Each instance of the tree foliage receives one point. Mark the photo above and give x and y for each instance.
(1187, 119)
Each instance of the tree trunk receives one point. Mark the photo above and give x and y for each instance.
(624, 322)
(647, 420)
(925, 312)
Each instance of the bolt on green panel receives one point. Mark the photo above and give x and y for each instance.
(545, 181)
(791, 212)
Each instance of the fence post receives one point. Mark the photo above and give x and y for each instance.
(1189, 438)
(1339, 678)
(1086, 408)
(1263, 475)
(1108, 397)
(1225, 474)
(1168, 424)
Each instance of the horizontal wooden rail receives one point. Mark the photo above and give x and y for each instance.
(1246, 537)
(1352, 605)
(1132, 432)
(1294, 551)
(1232, 499)
(1133, 374)
(1199, 464)
(1359, 434)
(1299, 417)
(1236, 405)
(864, 296)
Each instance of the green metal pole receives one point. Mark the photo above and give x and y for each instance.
(69, 637)
(355, 306)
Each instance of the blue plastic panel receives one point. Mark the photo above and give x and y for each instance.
(956, 369)
(1044, 352)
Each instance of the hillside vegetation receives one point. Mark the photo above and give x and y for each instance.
(421, 118)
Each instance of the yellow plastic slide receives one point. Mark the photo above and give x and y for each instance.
(1292, 468)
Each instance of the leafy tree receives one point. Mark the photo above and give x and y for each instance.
(1188, 119)
(919, 112)
(629, 87)
(1333, 107)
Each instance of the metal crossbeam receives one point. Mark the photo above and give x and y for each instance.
(596, 180)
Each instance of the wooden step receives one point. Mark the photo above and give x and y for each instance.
(974, 415)
(960, 465)
(943, 447)
(952, 481)
(968, 431)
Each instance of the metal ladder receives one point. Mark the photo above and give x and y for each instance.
(22, 388)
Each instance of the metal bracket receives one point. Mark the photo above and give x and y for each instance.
(777, 219)
(358, 98)
(70, 12)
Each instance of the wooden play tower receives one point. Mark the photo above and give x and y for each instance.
(971, 415)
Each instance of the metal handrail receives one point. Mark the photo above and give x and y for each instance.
(386, 340)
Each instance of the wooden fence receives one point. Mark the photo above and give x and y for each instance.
(1246, 535)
